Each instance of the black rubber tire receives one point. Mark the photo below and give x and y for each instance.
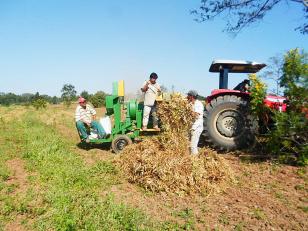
(228, 123)
(120, 142)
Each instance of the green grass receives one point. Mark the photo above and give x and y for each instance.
(4, 172)
(258, 214)
(299, 187)
(187, 215)
(240, 226)
(63, 192)
(223, 219)
(303, 208)
(302, 173)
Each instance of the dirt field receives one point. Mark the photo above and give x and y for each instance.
(266, 196)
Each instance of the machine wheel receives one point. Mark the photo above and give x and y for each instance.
(228, 123)
(120, 142)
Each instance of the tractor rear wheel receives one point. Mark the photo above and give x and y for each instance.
(120, 142)
(228, 123)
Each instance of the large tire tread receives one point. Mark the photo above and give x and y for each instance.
(250, 127)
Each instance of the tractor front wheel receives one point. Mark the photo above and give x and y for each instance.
(228, 123)
(120, 142)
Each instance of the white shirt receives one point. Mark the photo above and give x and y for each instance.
(151, 94)
(198, 108)
(84, 114)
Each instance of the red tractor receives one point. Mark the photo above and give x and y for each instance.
(228, 122)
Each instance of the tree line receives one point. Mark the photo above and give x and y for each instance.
(7, 99)
(69, 95)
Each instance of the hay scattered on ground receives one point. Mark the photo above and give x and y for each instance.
(164, 164)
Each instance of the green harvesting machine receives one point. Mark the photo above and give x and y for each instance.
(127, 119)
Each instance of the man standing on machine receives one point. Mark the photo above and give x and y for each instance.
(151, 90)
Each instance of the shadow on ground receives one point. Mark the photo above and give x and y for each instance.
(87, 147)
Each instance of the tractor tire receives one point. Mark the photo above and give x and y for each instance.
(120, 142)
(228, 123)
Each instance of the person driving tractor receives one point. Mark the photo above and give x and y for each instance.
(85, 116)
(243, 86)
(151, 90)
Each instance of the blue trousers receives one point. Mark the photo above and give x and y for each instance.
(94, 124)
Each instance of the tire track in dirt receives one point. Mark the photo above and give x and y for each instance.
(19, 180)
(19, 177)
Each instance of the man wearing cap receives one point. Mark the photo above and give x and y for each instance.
(151, 90)
(85, 115)
(197, 126)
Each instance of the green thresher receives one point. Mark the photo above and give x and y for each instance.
(127, 119)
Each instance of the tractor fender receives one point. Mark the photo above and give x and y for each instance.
(222, 92)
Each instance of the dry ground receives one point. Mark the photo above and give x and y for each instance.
(266, 196)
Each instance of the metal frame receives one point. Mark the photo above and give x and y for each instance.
(132, 123)
(224, 67)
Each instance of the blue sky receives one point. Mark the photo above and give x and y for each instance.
(90, 44)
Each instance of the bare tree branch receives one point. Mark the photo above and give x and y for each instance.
(240, 14)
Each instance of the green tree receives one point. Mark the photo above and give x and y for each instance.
(39, 103)
(98, 99)
(26, 98)
(295, 78)
(68, 94)
(9, 98)
(85, 95)
(55, 100)
(243, 13)
(258, 93)
(36, 96)
(289, 140)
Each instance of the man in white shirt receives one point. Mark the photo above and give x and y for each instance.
(85, 115)
(151, 89)
(197, 126)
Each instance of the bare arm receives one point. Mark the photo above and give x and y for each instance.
(145, 87)
(159, 90)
